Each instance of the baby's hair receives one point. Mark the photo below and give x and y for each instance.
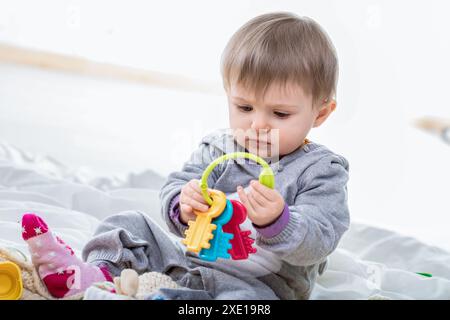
(278, 48)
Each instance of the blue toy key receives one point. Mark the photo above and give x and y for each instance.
(220, 243)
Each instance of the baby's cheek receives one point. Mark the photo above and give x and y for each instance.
(289, 142)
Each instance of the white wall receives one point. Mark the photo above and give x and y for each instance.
(394, 67)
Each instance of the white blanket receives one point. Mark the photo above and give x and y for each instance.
(369, 263)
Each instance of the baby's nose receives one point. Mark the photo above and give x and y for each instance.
(260, 124)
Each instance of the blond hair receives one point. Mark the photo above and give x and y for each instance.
(279, 48)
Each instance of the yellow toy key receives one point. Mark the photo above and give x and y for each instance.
(200, 231)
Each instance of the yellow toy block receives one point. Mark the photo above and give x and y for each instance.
(200, 231)
(10, 281)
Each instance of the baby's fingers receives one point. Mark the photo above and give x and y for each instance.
(245, 201)
(262, 190)
(195, 191)
(186, 209)
(258, 198)
(194, 184)
(197, 205)
(194, 201)
(197, 196)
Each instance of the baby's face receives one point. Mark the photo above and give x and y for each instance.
(273, 125)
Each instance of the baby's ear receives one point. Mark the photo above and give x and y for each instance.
(324, 112)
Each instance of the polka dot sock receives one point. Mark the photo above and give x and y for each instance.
(61, 271)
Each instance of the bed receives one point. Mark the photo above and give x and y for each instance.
(370, 262)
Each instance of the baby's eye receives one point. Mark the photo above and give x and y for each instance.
(281, 114)
(245, 108)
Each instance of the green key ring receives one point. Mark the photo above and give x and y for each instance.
(266, 177)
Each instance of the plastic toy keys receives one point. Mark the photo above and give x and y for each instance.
(241, 244)
(10, 281)
(220, 243)
(200, 230)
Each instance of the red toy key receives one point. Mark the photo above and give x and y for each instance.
(241, 244)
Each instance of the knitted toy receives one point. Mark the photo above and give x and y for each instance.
(132, 285)
(128, 286)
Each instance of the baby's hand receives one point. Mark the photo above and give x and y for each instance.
(264, 205)
(191, 198)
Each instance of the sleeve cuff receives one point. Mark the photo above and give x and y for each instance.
(276, 227)
(174, 211)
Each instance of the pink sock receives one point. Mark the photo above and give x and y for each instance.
(62, 272)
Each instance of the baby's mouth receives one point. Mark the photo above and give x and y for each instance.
(257, 142)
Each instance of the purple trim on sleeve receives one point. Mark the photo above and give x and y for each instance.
(277, 226)
(174, 210)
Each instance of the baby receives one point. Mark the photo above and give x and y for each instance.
(279, 73)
